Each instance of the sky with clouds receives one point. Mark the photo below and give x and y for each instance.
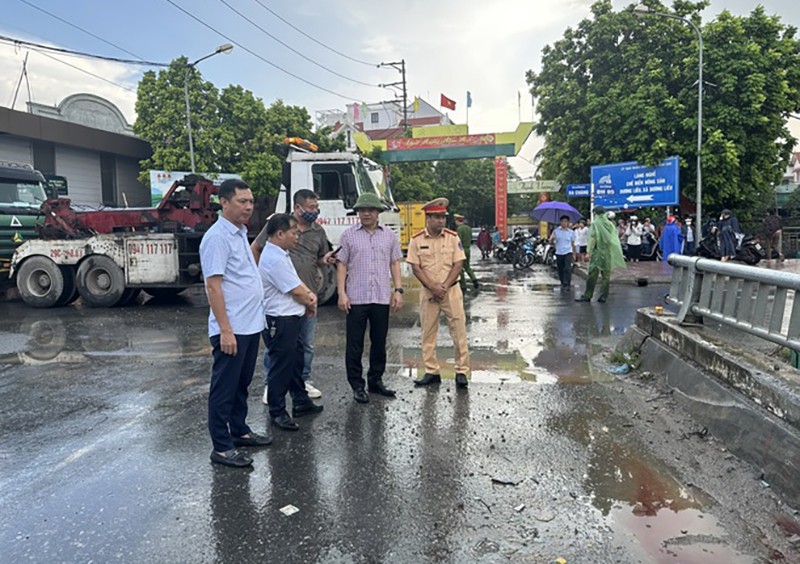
(450, 46)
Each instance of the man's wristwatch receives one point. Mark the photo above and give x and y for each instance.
(399, 290)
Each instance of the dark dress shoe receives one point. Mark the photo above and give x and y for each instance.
(360, 396)
(428, 379)
(461, 381)
(252, 440)
(309, 408)
(380, 389)
(583, 299)
(285, 422)
(231, 458)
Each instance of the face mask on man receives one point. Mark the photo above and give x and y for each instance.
(310, 217)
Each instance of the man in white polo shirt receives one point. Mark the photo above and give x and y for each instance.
(286, 301)
(235, 322)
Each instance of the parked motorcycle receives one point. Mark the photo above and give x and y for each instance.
(749, 251)
(650, 248)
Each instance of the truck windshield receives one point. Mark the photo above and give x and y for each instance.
(372, 181)
(21, 193)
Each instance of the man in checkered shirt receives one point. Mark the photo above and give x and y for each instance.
(368, 281)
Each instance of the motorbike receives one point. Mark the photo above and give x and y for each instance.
(526, 255)
(651, 250)
(749, 251)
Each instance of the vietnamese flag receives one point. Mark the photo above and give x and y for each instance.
(447, 102)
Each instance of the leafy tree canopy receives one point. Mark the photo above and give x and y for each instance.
(618, 87)
(232, 130)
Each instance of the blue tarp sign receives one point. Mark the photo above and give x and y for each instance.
(631, 185)
(578, 190)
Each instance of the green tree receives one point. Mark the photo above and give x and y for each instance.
(161, 120)
(469, 185)
(413, 181)
(618, 87)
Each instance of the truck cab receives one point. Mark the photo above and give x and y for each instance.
(338, 179)
(22, 191)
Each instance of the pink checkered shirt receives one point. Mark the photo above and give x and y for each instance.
(368, 257)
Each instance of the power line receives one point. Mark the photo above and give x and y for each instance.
(297, 29)
(293, 50)
(13, 41)
(79, 28)
(259, 57)
(85, 71)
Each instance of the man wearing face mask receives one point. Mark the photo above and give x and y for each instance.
(310, 253)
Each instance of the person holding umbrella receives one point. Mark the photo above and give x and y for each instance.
(564, 239)
(605, 254)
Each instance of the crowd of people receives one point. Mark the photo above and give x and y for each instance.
(268, 290)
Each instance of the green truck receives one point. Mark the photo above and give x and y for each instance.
(22, 191)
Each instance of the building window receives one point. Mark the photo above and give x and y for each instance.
(108, 178)
(44, 157)
(373, 117)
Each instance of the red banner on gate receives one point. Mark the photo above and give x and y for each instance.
(447, 141)
(501, 195)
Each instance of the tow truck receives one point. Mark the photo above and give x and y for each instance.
(107, 257)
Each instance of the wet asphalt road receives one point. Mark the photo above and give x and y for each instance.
(104, 453)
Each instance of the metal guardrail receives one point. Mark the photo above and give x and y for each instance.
(753, 300)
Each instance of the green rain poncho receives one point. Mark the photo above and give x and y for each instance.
(605, 250)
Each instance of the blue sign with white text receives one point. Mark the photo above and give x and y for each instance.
(631, 185)
(578, 190)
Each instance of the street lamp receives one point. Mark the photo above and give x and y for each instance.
(642, 10)
(227, 48)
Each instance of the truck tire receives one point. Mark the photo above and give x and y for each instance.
(164, 294)
(101, 282)
(327, 293)
(70, 292)
(40, 282)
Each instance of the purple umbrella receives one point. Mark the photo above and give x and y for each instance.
(551, 212)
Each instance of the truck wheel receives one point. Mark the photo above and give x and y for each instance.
(129, 296)
(164, 294)
(70, 293)
(327, 293)
(100, 281)
(40, 282)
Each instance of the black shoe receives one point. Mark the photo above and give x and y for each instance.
(583, 299)
(231, 458)
(475, 284)
(428, 379)
(252, 440)
(602, 300)
(285, 422)
(381, 390)
(360, 396)
(461, 380)
(309, 408)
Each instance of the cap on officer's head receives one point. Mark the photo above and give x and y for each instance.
(436, 207)
(458, 217)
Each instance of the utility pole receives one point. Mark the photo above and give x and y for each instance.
(399, 66)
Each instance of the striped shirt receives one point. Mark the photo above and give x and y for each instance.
(368, 257)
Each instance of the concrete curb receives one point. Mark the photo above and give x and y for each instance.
(756, 414)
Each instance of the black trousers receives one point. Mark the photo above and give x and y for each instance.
(286, 357)
(227, 396)
(377, 315)
(564, 267)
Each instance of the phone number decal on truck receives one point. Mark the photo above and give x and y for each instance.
(135, 248)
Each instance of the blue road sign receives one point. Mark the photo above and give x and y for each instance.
(631, 185)
(578, 190)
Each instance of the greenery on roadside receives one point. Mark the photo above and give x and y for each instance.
(232, 130)
(618, 87)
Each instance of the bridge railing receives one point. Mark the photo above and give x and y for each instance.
(753, 300)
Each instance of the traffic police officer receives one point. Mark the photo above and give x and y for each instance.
(436, 256)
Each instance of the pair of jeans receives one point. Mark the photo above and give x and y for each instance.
(377, 315)
(227, 396)
(564, 268)
(282, 337)
(308, 331)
